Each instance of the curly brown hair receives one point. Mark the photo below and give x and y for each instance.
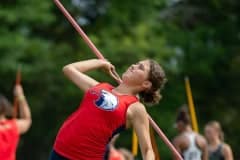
(158, 79)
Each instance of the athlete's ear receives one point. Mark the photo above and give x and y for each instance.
(147, 84)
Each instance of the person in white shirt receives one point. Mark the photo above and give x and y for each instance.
(191, 145)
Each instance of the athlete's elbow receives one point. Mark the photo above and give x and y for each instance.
(66, 69)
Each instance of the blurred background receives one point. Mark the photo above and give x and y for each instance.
(195, 38)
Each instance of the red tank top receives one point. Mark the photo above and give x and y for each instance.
(86, 133)
(9, 137)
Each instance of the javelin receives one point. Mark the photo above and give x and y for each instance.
(191, 105)
(99, 55)
(85, 37)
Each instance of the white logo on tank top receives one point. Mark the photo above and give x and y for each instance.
(106, 101)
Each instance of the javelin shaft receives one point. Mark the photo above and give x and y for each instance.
(85, 37)
(164, 138)
(191, 105)
(134, 143)
(154, 144)
(79, 30)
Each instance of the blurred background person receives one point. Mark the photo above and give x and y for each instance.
(191, 145)
(217, 149)
(12, 128)
(118, 153)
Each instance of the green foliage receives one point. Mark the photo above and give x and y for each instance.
(194, 38)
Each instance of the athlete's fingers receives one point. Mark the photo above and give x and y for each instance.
(115, 76)
(110, 68)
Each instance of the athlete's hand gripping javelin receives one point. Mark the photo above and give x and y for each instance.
(109, 68)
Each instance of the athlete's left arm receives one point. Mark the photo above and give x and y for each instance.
(138, 118)
(227, 152)
(76, 72)
(24, 120)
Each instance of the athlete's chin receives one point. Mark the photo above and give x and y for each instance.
(129, 80)
(125, 75)
(126, 78)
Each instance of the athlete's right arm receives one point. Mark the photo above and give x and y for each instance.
(176, 143)
(137, 117)
(24, 120)
(76, 72)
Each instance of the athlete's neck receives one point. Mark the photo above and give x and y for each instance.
(187, 129)
(124, 89)
(215, 141)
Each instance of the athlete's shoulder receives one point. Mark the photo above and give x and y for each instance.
(226, 147)
(136, 109)
(201, 138)
(180, 139)
(201, 141)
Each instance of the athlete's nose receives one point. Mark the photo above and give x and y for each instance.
(132, 67)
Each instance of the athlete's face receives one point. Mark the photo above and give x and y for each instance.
(180, 126)
(209, 133)
(137, 73)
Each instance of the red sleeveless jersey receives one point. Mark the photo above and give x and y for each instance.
(9, 137)
(86, 133)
